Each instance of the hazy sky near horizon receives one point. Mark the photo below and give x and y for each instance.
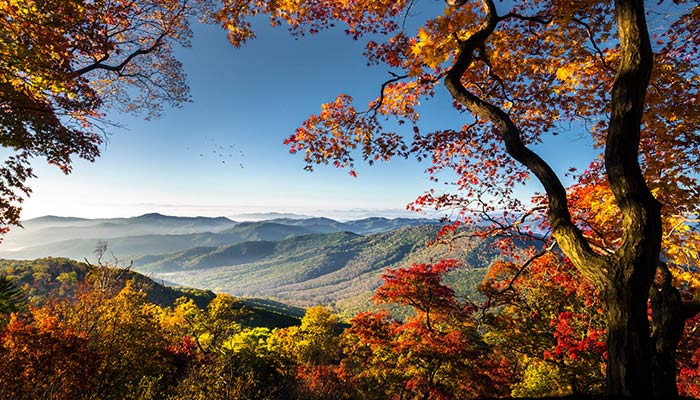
(222, 154)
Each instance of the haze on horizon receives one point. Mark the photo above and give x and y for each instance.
(245, 215)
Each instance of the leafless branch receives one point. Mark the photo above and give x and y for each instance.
(119, 67)
(597, 49)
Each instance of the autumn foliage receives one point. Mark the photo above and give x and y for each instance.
(552, 322)
(438, 353)
(536, 331)
(624, 74)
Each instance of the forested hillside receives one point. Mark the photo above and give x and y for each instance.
(338, 269)
(53, 279)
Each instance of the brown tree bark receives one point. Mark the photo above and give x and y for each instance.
(628, 370)
(667, 330)
(669, 315)
(634, 263)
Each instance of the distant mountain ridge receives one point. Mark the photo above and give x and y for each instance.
(265, 216)
(159, 234)
(49, 229)
(363, 226)
(169, 220)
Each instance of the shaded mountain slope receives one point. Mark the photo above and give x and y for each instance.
(340, 269)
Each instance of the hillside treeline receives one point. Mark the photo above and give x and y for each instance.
(94, 334)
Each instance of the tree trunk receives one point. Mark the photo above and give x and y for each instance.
(669, 314)
(667, 326)
(633, 266)
(629, 356)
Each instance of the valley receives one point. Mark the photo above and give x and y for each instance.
(298, 262)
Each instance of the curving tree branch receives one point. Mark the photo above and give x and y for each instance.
(567, 234)
(119, 67)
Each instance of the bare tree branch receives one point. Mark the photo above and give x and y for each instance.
(125, 62)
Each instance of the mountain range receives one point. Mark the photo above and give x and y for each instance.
(50, 229)
(154, 233)
(300, 262)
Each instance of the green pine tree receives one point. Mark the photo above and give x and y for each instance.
(12, 297)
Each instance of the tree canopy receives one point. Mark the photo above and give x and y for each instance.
(64, 63)
(520, 72)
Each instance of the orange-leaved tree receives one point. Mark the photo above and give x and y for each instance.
(524, 71)
(64, 62)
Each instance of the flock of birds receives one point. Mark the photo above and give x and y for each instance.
(225, 153)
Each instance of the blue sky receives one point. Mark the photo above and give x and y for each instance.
(222, 154)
